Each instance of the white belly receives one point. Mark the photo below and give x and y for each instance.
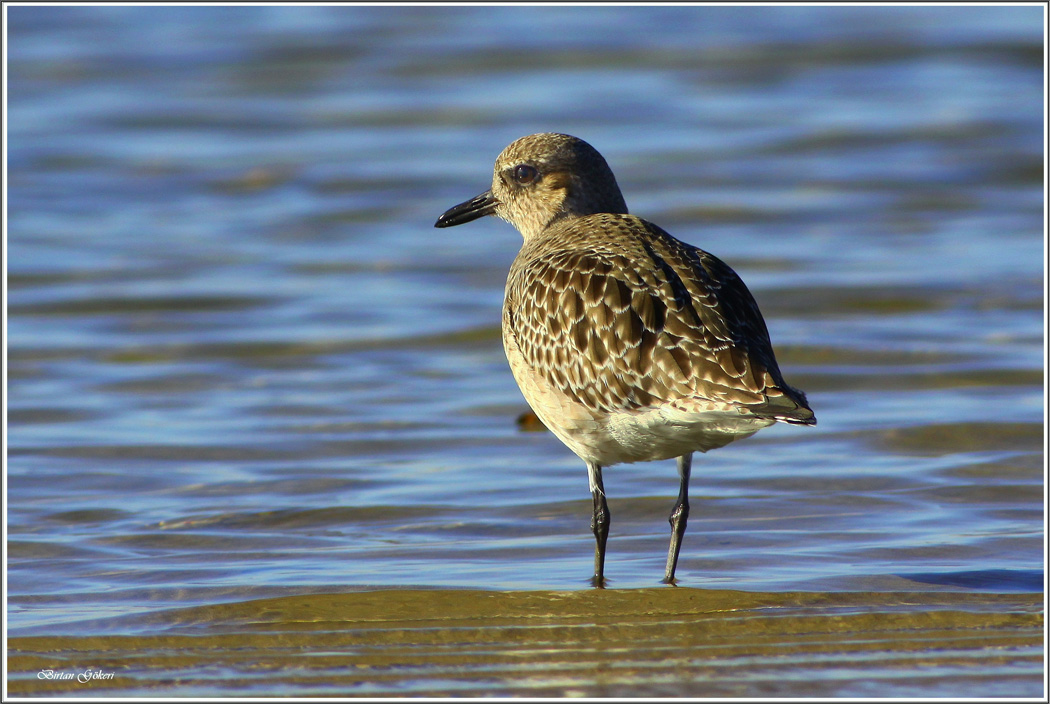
(654, 433)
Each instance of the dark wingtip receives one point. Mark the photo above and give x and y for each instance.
(791, 407)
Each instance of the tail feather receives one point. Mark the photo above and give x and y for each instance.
(792, 407)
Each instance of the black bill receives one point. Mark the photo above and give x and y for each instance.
(484, 204)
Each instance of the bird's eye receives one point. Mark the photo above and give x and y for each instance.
(525, 174)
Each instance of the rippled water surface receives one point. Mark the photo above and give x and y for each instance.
(243, 365)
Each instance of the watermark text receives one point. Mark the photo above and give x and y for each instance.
(82, 677)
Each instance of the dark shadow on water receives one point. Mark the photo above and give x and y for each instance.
(991, 580)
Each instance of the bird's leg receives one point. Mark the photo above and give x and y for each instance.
(679, 516)
(599, 522)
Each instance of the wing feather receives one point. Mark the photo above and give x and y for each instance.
(682, 330)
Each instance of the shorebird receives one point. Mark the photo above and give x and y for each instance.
(627, 343)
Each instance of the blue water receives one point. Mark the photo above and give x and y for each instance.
(242, 362)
